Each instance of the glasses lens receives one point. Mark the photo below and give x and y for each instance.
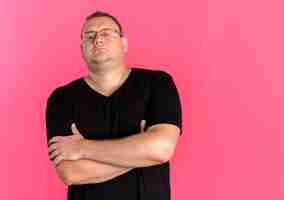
(105, 34)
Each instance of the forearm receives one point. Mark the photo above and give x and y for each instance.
(95, 180)
(87, 171)
(139, 150)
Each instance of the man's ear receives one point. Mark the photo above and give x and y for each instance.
(125, 44)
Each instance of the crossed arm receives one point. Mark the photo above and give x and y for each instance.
(83, 171)
(107, 159)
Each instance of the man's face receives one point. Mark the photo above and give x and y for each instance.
(101, 41)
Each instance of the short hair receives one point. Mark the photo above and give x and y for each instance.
(104, 14)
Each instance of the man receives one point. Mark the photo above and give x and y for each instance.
(112, 133)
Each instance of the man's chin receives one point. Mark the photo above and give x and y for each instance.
(100, 59)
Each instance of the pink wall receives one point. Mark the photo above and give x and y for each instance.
(226, 58)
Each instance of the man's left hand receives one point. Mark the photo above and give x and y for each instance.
(66, 147)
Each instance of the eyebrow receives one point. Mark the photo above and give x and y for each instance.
(86, 32)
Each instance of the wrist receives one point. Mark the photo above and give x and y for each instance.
(83, 149)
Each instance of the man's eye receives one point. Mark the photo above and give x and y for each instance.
(105, 34)
(90, 36)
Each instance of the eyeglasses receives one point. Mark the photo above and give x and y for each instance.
(105, 34)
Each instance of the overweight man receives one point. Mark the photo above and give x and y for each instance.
(112, 132)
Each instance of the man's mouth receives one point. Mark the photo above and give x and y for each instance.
(99, 50)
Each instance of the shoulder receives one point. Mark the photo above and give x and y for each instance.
(65, 89)
(152, 74)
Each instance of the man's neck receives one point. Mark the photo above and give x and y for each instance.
(108, 80)
(108, 75)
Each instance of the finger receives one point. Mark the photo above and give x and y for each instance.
(54, 154)
(55, 139)
(52, 147)
(74, 129)
(142, 125)
(57, 160)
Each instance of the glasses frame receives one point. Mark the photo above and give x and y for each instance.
(95, 34)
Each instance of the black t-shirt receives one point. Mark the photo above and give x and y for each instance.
(146, 94)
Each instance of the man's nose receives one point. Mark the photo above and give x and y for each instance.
(98, 40)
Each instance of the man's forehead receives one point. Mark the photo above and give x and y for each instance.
(99, 23)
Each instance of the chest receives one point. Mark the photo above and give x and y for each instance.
(117, 116)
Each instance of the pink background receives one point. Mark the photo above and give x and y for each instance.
(225, 56)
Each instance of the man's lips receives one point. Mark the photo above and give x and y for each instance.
(99, 49)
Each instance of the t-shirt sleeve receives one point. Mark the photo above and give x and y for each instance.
(164, 104)
(58, 114)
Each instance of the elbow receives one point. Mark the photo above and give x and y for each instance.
(65, 173)
(66, 179)
(165, 156)
(71, 179)
(162, 145)
(163, 152)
